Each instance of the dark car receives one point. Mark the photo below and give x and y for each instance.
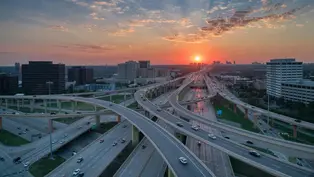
(297, 120)
(17, 160)
(53, 113)
(227, 137)
(2, 159)
(179, 124)
(249, 142)
(80, 174)
(143, 146)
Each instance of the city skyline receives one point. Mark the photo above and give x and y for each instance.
(76, 32)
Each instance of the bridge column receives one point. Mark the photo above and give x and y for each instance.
(32, 102)
(6, 103)
(45, 105)
(50, 125)
(18, 104)
(170, 173)
(97, 120)
(135, 135)
(235, 108)
(22, 102)
(246, 113)
(118, 118)
(146, 113)
(110, 97)
(0, 123)
(255, 120)
(295, 131)
(124, 97)
(74, 105)
(59, 105)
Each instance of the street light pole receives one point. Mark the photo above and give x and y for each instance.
(267, 109)
(49, 83)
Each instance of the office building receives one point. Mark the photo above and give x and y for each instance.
(81, 75)
(144, 64)
(128, 70)
(8, 84)
(299, 91)
(279, 71)
(36, 74)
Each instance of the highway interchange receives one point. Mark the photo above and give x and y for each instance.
(165, 143)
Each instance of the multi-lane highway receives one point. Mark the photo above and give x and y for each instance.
(267, 163)
(98, 155)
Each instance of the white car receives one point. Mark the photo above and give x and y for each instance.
(158, 109)
(54, 141)
(76, 172)
(61, 142)
(194, 127)
(183, 160)
(212, 136)
(26, 164)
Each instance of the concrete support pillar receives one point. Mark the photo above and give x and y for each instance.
(246, 116)
(50, 125)
(124, 97)
(0, 123)
(119, 118)
(135, 135)
(18, 104)
(295, 131)
(45, 105)
(110, 98)
(32, 102)
(74, 105)
(255, 120)
(235, 108)
(170, 173)
(59, 105)
(6, 103)
(97, 120)
(95, 108)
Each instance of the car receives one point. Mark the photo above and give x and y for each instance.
(114, 143)
(249, 142)
(34, 96)
(66, 113)
(110, 104)
(123, 140)
(54, 141)
(183, 160)
(79, 160)
(101, 141)
(199, 143)
(26, 164)
(20, 133)
(158, 109)
(124, 126)
(254, 153)
(80, 174)
(212, 136)
(53, 113)
(144, 99)
(76, 172)
(74, 153)
(17, 160)
(2, 159)
(179, 124)
(227, 137)
(19, 128)
(297, 120)
(61, 142)
(194, 127)
(24, 132)
(299, 163)
(26, 129)
(79, 113)
(143, 146)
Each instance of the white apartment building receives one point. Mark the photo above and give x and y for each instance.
(300, 91)
(128, 70)
(279, 71)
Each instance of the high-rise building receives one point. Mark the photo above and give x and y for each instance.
(36, 74)
(17, 70)
(8, 84)
(81, 75)
(279, 71)
(128, 70)
(144, 64)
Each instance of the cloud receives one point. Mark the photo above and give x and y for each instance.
(121, 32)
(240, 19)
(89, 48)
(58, 28)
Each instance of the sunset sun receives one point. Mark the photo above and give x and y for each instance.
(197, 58)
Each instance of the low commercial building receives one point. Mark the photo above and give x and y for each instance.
(8, 84)
(299, 91)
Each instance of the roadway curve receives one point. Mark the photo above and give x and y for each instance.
(166, 144)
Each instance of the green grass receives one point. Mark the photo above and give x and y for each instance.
(133, 105)
(10, 139)
(238, 117)
(116, 98)
(68, 120)
(68, 105)
(45, 165)
(243, 169)
(104, 127)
